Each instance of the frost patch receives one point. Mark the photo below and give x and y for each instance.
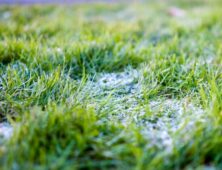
(6, 15)
(119, 97)
(5, 130)
(168, 116)
(118, 80)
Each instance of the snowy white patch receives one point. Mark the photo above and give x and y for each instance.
(6, 15)
(118, 80)
(168, 117)
(158, 119)
(6, 130)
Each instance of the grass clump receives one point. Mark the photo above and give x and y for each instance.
(87, 144)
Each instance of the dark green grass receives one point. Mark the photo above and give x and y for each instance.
(52, 56)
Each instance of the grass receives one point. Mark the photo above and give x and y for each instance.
(111, 86)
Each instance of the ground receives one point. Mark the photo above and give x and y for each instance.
(111, 86)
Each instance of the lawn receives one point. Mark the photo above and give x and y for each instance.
(111, 86)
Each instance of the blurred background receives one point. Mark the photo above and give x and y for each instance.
(103, 1)
(54, 1)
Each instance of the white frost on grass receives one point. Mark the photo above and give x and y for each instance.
(158, 119)
(169, 116)
(123, 91)
(118, 80)
(6, 130)
(6, 15)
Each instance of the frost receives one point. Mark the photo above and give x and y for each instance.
(6, 15)
(118, 80)
(171, 116)
(158, 119)
(6, 130)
